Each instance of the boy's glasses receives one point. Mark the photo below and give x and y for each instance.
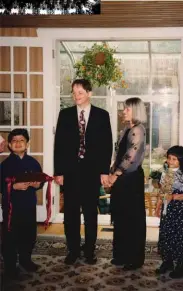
(18, 141)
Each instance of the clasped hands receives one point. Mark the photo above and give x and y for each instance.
(106, 180)
(24, 185)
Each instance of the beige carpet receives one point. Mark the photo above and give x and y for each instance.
(54, 275)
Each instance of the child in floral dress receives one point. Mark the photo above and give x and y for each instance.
(170, 244)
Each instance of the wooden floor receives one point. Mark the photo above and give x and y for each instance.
(58, 229)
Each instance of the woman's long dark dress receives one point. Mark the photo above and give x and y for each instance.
(128, 214)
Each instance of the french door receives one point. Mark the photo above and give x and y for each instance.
(25, 97)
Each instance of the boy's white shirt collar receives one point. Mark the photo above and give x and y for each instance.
(86, 112)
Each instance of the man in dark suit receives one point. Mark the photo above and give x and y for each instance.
(82, 157)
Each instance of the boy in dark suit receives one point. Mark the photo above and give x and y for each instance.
(23, 229)
(82, 157)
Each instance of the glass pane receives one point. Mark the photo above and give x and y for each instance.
(5, 58)
(36, 86)
(66, 102)
(36, 140)
(20, 59)
(79, 46)
(100, 91)
(36, 113)
(163, 46)
(99, 102)
(136, 74)
(20, 85)
(66, 74)
(20, 113)
(165, 132)
(78, 56)
(129, 46)
(36, 59)
(4, 94)
(165, 74)
(5, 113)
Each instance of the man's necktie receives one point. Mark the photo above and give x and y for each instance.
(81, 152)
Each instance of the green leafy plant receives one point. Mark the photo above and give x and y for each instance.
(155, 175)
(100, 67)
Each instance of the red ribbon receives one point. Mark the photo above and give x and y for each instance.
(48, 198)
(9, 184)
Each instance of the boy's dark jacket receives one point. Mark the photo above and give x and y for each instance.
(12, 166)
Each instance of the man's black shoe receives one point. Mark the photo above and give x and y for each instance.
(29, 266)
(165, 266)
(11, 274)
(91, 260)
(71, 259)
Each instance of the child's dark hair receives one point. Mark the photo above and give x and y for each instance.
(18, 131)
(177, 151)
(84, 83)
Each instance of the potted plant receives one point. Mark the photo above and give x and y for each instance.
(100, 67)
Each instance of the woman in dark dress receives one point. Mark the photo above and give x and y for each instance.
(127, 195)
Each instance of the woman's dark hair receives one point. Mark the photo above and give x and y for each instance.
(84, 83)
(18, 131)
(177, 151)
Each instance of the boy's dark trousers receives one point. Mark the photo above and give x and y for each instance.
(21, 239)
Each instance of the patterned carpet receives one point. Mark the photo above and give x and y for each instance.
(54, 275)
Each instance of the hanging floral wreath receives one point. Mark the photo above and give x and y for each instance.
(99, 66)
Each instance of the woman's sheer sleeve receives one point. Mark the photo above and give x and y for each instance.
(135, 150)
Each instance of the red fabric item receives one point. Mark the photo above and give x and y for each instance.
(30, 177)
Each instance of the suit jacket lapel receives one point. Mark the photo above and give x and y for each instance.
(90, 122)
(76, 124)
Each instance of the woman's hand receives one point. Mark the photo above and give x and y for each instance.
(112, 179)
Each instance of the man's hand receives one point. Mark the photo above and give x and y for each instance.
(112, 179)
(35, 184)
(59, 180)
(104, 180)
(21, 186)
